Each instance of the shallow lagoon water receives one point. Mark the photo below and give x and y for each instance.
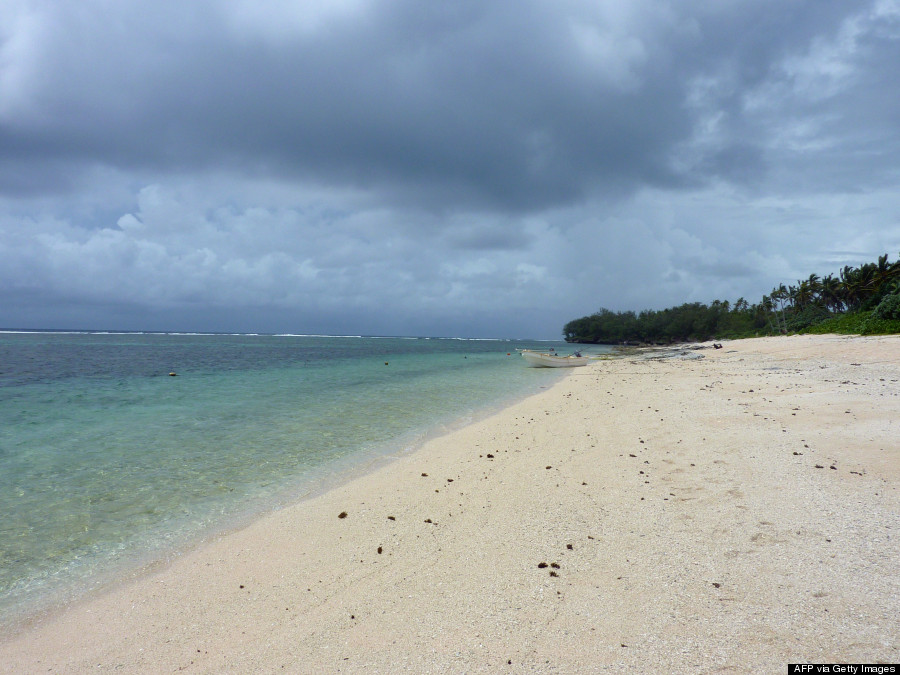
(106, 461)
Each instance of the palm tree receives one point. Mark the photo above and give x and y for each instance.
(831, 294)
(767, 308)
(894, 275)
(793, 294)
(814, 285)
(867, 278)
(780, 294)
(885, 272)
(803, 294)
(883, 268)
(851, 282)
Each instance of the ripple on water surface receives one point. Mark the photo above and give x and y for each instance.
(105, 460)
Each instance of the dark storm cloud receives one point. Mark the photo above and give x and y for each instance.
(512, 104)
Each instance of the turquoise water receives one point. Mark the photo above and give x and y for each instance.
(107, 462)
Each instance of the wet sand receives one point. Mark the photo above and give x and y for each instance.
(726, 514)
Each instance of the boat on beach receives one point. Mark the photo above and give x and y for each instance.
(537, 359)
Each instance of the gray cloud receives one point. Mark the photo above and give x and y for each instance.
(489, 163)
(515, 104)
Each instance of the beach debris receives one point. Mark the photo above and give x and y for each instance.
(425, 475)
(548, 467)
(672, 354)
(379, 550)
(569, 547)
(391, 518)
(554, 565)
(342, 514)
(553, 574)
(542, 565)
(173, 374)
(717, 584)
(490, 456)
(819, 466)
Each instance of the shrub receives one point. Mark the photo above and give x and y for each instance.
(809, 316)
(888, 308)
(875, 326)
(842, 324)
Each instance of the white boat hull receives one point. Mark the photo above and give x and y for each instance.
(545, 360)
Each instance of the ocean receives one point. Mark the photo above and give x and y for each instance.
(107, 462)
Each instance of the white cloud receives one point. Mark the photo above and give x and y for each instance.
(282, 20)
(614, 58)
(21, 34)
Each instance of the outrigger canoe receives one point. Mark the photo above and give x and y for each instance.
(547, 360)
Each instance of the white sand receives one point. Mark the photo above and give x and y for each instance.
(682, 500)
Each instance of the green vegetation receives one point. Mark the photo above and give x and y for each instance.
(860, 300)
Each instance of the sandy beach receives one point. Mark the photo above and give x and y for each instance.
(731, 513)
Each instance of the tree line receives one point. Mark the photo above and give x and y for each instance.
(864, 299)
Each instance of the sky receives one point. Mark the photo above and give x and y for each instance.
(477, 168)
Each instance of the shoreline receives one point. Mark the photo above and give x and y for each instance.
(681, 500)
(138, 563)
